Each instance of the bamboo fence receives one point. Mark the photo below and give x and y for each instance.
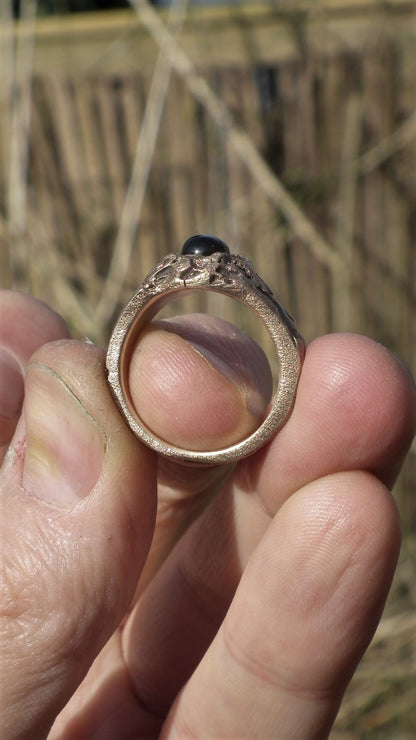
(288, 129)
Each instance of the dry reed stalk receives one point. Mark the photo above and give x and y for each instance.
(6, 79)
(133, 202)
(381, 698)
(21, 65)
(387, 147)
(344, 236)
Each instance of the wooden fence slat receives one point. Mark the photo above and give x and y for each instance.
(94, 186)
(179, 109)
(115, 171)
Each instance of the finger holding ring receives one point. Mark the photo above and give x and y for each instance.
(205, 264)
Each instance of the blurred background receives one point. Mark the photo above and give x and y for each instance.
(287, 128)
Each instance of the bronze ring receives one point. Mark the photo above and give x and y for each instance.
(206, 264)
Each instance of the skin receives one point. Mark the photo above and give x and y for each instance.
(144, 599)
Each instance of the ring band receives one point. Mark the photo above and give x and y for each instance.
(230, 275)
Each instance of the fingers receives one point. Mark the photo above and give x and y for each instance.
(195, 587)
(85, 526)
(25, 325)
(199, 382)
(78, 495)
(306, 608)
(355, 405)
(355, 409)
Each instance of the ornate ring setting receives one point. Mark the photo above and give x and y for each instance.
(205, 263)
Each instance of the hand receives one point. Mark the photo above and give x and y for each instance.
(241, 603)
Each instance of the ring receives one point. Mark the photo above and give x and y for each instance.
(205, 263)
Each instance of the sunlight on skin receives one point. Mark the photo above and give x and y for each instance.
(273, 591)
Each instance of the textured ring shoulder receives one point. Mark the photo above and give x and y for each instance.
(230, 275)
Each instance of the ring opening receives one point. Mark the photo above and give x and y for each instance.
(231, 407)
(246, 294)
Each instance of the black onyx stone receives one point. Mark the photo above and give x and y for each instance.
(202, 245)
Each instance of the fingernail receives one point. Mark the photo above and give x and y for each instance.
(253, 397)
(11, 385)
(232, 352)
(65, 446)
(225, 367)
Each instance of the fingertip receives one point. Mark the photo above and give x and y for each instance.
(27, 323)
(199, 383)
(80, 494)
(355, 409)
(65, 445)
(304, 611)
(74, 462)
(348, 535)
(72, 438)
(347, 359)
(371, 396)
(322, 573)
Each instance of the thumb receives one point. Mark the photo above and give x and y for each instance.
(78, 497)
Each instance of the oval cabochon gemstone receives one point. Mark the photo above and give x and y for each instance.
(204, 245)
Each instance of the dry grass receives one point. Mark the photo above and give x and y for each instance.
(381, 699)
(301, 156)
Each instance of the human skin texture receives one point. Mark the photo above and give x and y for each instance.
(144, 598)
